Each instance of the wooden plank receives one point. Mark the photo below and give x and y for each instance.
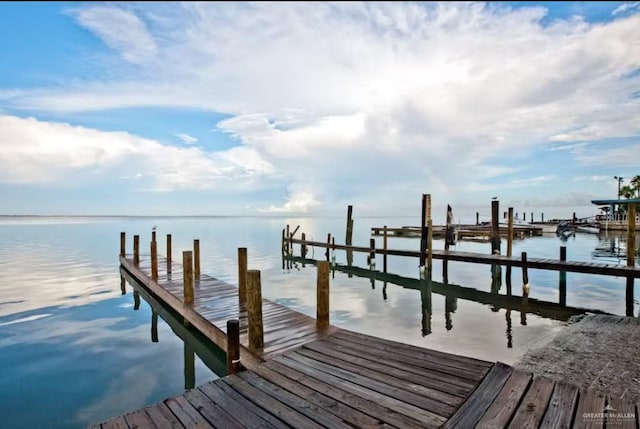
(278, 409)
(301, 405)
(561, 407)
(139, 420)
(249, 406)
(405, 364)
(186, 414)
(345, 412)
(425, 385)
(162, 417)
(116, 423)
(245, 417)
(533, 406)
(590, 402)
(210, 411)
(505, 404)
(373, 390)
(472, 410)
(427, 399)
(342, 391)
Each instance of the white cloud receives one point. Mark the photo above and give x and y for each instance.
(33, 151)
(298, 201)
(187, 139)
(368, 101)
(625, 7)
(120, 30)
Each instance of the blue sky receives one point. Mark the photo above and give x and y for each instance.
(238, 108)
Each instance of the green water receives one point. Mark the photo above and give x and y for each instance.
(75, 351)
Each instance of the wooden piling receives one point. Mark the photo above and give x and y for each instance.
(242, 274)
(531, 217)
(196, 258)
(429, 235)
(525, 275)
(154, 260)
(123, 285)
(153, 236)
(574, 219)
(542, 217)
(233, 346)
(169, 256)
(477, 218)
(326, 254)
(282, 246)
(189, 367)
(524, 216)
(510, 232)
(423, 231)
(303, 247)
(495, 227)
(562, 286)
(287, 240)
(136, 250)
(123, 243)
(187, 266)
(384, 246)
(372, 252)
(629, 296)
(631, 235)
(254, 310)
(349, 232)
(322, 295)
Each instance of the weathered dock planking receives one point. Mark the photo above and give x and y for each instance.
(216, 301)
(311, 377)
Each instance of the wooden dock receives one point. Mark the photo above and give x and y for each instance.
(217, 301)
(310, 377)
(463, 232)
(481, 258)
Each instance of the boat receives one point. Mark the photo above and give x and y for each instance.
(588, 229)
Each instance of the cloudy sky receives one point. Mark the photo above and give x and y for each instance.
(197, 108)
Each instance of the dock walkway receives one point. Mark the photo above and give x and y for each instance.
(335, 378)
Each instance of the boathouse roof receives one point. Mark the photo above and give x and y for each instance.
(616, 201)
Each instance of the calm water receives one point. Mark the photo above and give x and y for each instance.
(74, 350)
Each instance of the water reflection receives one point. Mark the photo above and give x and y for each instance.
(194, 342)
(493, 300)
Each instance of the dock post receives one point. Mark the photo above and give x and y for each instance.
(477, 218)
(169, 257)
(123, 285)
(524, 216)
(495, 230)
(254, 310)
(303, 247)
(525, 290)
(123, 243)
(429, 236)
(326, 254)
(154, 260)
(531, 217)
(384, 246)
(196, 258)
(154, 327)
(510, 233)
(542, 217)
(189, 367)
(562, 292)
(349, 236)
(372, 253)
(423, 231)
(282, 249)
(187, 266)
(287, 242)
(242, 274)
(233, 346)
(631, 235)
(322, 295)
(153, 236)
(136, 250)
(629, 296)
